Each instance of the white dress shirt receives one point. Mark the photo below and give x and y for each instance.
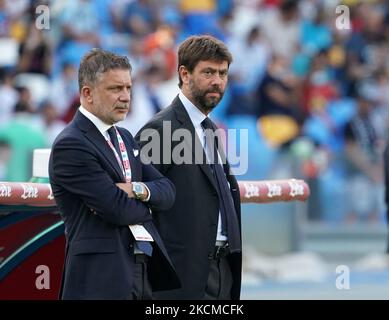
(196, 116)
(103, 129)
(100, 125)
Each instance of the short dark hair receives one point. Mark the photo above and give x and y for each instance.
(201, 48)
(98, 61)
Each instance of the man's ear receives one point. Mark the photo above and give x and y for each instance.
(86, 94)
(184, 74)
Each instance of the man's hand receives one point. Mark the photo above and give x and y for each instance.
(126, 187)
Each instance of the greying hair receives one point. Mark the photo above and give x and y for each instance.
(98, 61)
(201, 48)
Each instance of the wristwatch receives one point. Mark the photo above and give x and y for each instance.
(139, 190)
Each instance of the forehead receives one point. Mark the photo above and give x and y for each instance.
(119, 76)
(213, 64)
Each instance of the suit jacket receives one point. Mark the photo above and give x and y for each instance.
(189, 228)
(99, 258)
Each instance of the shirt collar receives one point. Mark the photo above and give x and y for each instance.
(194, 113)
(100, 125)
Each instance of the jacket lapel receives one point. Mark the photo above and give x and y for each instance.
(94, 136)
(200, 159)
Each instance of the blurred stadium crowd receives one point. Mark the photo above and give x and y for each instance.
(314, 98)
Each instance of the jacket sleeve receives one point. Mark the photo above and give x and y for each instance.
(162, 190)
(74, 168)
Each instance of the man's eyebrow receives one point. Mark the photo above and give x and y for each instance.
(214, 69)
(116, 85)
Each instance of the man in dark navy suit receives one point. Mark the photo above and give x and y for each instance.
(202, 231)
(106, 196)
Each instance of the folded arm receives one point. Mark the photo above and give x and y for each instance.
(76, 169)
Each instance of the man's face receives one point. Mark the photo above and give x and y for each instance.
(205, 86)
(111, 96)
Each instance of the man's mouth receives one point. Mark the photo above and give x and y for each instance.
(122, 109)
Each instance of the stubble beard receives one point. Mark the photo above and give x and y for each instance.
(112, 117)
(206, 104)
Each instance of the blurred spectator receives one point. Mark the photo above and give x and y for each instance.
(5, 153)
(152, 78)
(64, 88)
(275, 90)
(52, 125)
(315, 34)
(337, 61)
(361, 47)
(4, 21)
(159, 48)
(22, 136)
(363, 152)
(380, 117)
(200, 17)
(277, 107)
(24, 103)
(71, 111)
(386, 176)
(136, 56)
(80, 29)
(251, 56)
(16, 8)
(80, 23)
(106, 16)
(34, 53)
(319, 88)
(117, 9)
(8, 96)
(281, 26)
(139, 17)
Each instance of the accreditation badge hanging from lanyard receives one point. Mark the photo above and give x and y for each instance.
(123, 162)
(139, 232)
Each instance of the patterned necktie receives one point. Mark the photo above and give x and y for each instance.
(230, 224)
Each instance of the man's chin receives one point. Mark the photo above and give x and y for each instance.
(211, 104)
(119, 118)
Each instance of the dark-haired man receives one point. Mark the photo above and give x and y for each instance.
(106, 195)
(202, 229)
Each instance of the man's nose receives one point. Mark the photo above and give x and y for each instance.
(217, 79)
(125, 95)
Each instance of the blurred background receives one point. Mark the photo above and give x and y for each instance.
(310, 84)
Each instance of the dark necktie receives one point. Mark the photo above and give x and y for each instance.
(143, 246)
(114, 139)
(230, 224)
